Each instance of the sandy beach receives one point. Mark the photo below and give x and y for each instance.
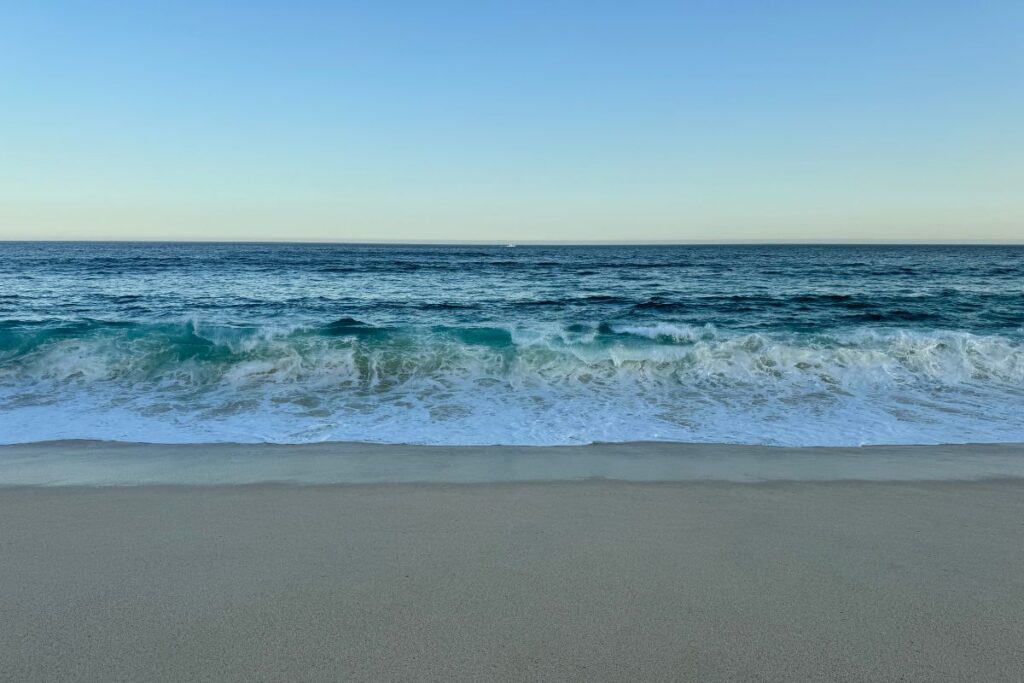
(585, 580)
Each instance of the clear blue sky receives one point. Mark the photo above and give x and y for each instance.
(512, 121)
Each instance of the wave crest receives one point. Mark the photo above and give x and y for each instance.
(542, 384)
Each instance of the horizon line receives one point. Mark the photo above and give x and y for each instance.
(547, 243)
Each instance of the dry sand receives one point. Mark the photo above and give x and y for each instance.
(590, 580)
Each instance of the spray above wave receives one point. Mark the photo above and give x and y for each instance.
(517, 384)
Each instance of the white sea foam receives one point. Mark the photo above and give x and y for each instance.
(543, 385)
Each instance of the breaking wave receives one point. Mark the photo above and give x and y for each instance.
(539, 384)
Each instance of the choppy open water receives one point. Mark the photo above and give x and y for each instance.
(785, 345)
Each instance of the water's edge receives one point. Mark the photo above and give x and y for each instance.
(105, 463)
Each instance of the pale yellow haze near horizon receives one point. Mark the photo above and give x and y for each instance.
(53, 193)
(617, 206)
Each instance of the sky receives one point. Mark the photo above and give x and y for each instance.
(512, 121)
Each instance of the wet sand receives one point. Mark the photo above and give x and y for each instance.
(588, 580)
(115, 463)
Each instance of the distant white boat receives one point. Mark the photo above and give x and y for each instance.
(510, 245)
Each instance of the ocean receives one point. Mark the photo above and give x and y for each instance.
(527, 345)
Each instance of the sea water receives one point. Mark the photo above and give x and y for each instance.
(532, 345)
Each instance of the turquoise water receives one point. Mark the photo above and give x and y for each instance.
(782, 345)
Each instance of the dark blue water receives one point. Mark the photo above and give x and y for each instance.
(536, 345)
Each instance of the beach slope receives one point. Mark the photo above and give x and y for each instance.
(588, 580)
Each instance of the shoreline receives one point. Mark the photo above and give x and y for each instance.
(101, 463)
(589, 444)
